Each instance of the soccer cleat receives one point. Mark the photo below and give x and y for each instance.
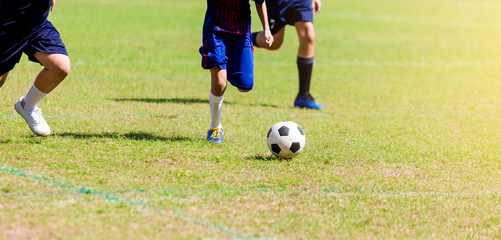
(215, 135)
(307, 102)
(34, 119)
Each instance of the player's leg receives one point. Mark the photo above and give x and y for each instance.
(218, 81)
(3, 78)
(214, 57)
(306, 34)
(259, 40)
(305, 59)
(45, 47)
(216, 97)
(56, 68)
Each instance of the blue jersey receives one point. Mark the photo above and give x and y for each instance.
(22, 15)
(231, 16)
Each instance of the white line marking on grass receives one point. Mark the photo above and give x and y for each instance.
(132, 202)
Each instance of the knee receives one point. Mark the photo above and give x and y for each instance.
(218, 89)
(308, 37)
(60, 67)
(62, 70)
(306, 33)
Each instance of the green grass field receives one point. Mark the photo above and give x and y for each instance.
(409, 145)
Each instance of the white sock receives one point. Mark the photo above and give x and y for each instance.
(216, 103)
(33, 97)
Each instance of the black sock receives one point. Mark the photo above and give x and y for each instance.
(305, 68)
(253, 37)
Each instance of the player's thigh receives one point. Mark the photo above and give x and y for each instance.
(241, 64)
(278, 38)
(54, 61)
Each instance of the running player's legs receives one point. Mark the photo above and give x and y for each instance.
(300, 14)
(45, 47)
(214, 57)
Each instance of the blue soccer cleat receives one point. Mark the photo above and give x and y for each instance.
(307, 102)
(215, 135)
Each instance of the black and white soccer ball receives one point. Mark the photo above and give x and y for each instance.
(286, 139)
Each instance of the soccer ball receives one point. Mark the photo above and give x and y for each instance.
(286, 139)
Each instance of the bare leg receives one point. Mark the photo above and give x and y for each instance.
(56, 68)
(218, 81)
(306, 35)
(277, 43)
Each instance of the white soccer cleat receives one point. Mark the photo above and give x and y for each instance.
(34, 119)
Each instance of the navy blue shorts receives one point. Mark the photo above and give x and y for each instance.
(44, 38)
(283, 12)
(233, 52)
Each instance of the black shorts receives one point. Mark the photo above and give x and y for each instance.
(44, 38)
(283, 12)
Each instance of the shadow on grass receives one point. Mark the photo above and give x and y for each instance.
(261, 157)
(29, 138)
(137, 136)
(183, 101)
